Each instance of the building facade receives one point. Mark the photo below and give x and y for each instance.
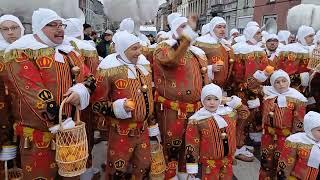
(93, 11)
(226, 9)
(275, 9)
(183, 8)
(161, 19)
(245, 9)
(198, 8)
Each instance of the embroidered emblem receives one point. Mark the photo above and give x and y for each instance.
(169, 133)
(282, 165)
(52, 165)
(182, 62)
(172, 165)
(23, 57)
(251, 57)
(1, 105)
(190, 148)
(45, 95)
(119, 164)
(1, 66)
(291, 105)
(100, 79)
(265, 152)
(300, 125)
(40, 105)
(277, 154)
(205, 132)
(182, 115)
(96, 107)
(176, 142)
(303, 153)
(215, 59)
(292, 56)
(44, 62)
(121, 84)
(28, 168)
(144, 146)
(173, 84)
(290, 160)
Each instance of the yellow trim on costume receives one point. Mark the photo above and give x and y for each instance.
(89, 53)
(291, 144)
(206, 45)
(294, 55)
(32, 54)
(256, 54)
(112, 71)
(28, 132)
(1, 54)
(294, 101)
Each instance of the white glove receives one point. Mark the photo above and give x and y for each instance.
(235, 102)
(67, 124)
(260, 76)
(154, 131)
(189, 33)
(192, 168)
(253, 103)
(119, 111)
(305, 77)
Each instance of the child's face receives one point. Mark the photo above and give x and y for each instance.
(211, 103)
(281, 85)
(316, 133)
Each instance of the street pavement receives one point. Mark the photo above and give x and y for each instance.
(242, 170)
(247, 170)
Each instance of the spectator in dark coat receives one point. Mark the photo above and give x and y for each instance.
(87, 30)
(103, 47)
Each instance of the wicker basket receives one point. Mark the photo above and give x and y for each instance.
(71, 147)
(314, 62)
(15, 174)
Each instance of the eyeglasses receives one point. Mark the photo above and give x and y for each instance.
(53, 25)
(7, 29)
(273, 40)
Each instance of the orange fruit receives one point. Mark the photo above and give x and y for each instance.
(63, 152)
(71, 158)
(269, 69)
(220, 62)
(131, 104)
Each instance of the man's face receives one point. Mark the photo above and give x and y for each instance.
(10, 31)
(258, 36)
(236, 34)
(309, 39)
(291, 39)
(88, 31)
(55, 31)
(133, 52)
(108, 37)
(272, 44)
(220, 30)
(181, 28)
(150, 38)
